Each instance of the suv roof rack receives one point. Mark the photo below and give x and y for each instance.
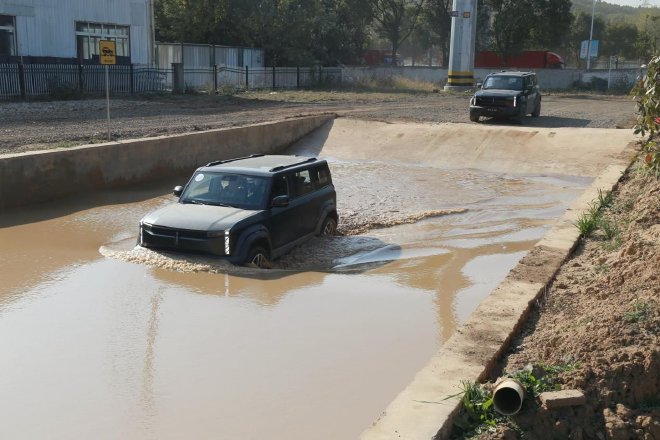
(282, 167)
(218, 162)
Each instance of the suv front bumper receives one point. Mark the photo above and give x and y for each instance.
(494, 111)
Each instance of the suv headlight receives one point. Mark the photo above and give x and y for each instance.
(473, 100)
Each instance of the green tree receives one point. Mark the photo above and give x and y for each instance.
(436, 19)
(511, 26)
(528, 24)
(396, 20)
(620, 39)
(580, 31)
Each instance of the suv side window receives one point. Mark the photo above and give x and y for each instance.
(280, 187)
(320, 176)
(301, 183)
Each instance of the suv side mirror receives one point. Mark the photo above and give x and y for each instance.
(479, 85)
(177, 190)
(280, 201)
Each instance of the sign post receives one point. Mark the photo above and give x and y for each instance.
(107, 55)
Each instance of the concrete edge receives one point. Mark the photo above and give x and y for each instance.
(425, 409)
(34, 177)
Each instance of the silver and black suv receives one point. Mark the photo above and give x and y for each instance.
(507, 94)
(249, 210)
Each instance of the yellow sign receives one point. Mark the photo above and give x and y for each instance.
(107, 52)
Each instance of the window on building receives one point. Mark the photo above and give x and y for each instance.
(7, 35)
(88, 36)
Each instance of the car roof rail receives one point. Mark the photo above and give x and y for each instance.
(283, 167)
(218, 162)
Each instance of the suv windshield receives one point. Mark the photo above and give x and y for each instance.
(224, 189)
(504, 83)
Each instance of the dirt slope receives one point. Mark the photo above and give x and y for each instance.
(601, 322)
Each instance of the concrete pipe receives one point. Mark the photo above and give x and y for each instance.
(508, 397)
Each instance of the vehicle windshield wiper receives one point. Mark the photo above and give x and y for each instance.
(195, 202)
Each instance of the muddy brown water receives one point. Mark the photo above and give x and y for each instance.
(99, 339)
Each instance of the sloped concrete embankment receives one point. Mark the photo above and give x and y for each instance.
(423, 410)
(30, 178)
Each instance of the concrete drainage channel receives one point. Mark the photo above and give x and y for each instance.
(420, 411)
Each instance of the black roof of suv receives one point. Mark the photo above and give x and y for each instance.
(249, 209)
(259, 164)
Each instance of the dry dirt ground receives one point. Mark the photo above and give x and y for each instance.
(29, 126)
(599, 326)
(600, 321)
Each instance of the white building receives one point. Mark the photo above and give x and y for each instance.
(73, 28)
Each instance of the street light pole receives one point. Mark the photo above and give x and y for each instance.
(591, 35)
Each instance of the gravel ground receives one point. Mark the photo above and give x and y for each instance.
(30, 126)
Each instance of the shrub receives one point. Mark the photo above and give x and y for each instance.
(647, 96)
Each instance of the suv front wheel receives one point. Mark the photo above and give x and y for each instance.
(257, 257)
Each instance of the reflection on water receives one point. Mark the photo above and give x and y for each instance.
(128, 343)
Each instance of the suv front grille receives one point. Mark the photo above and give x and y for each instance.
(182, 233)
(494, 102)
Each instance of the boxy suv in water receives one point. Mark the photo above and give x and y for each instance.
(249, 210)
(507, 94)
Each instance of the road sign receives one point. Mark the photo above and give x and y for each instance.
(107, 52)
(454, 13)
(584, 48)
(466, 14)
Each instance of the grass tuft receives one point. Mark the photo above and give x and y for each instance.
(637, 312)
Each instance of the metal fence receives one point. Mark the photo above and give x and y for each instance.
(57, 80)
(68, 80)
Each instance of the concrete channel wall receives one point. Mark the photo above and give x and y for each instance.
(34, 177)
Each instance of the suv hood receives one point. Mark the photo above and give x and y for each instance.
(498, 93)
(197, 217)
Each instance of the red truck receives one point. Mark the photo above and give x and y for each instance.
(539, 59)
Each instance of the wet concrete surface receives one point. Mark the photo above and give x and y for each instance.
(102, 340)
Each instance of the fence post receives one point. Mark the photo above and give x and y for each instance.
(178, 85)
(81, 84)
(247, 76)
(21, 79)
(320, 75)
(215, 78)
(273, 77)
(132, 80)
(297, 77)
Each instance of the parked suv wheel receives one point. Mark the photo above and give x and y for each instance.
(537, 111)
(474, 117)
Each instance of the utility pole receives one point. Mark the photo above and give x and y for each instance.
(591, 35)
(460, 75)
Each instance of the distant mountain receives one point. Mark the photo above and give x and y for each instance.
(617, 13)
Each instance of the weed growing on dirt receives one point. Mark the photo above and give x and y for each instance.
(612, 234)
(477, 414)
(65, 144)
(602, 268)
(604, 199)
(587, 222)
(637, 312)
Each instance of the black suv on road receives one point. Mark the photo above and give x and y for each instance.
(507, 94)
(249, 210)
